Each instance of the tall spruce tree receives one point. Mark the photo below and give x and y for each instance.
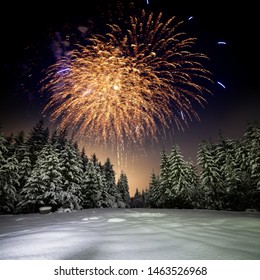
(180, 193)
(165, 181)
(251, 164)
(196, 195)
(59, 138)
(106, 199)
(10, 145)
(210, 176)
(19, 145)
(123, 188)
(137, 200)
(153, 190)
(72, 177)
(92, 186)
(3, 149)
(37, 139)
(9, 181)
(84, 158)
(24, 168)
(110, 176)
(44, 186)
(226, 151)
(254, 158)
(145, 197)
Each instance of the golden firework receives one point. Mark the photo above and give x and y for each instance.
(130, 84)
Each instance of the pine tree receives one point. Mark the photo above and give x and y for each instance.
(72, 177)
(180, 193)
(154, 190)
(137, 201)
(195, 190)
(25, 169)
(210, 176)
(123, 188)
(106, 200)
(109, 173)
(92, 188)
(20, 147)
(44, 186)
(94, 159)
(38, 138)
(165, 181)
(23, 157)
(251, 168)
(59, 138)
(226, 159)
(252, 141)
(10, 145)
(19, 138)
(19, 144)
(254, 158)
(3, 150)
(84, 159)
(145, 197)
(9, 181)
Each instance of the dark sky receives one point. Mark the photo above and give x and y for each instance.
(25, 44)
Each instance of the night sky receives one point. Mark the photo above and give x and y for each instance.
(26, 43)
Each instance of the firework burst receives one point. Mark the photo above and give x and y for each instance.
(133, 83)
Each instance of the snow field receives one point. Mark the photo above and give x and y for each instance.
(131, 234)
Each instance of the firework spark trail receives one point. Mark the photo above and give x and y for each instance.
(128, 85)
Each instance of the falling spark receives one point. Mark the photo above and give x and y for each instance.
(221, 84)
(63, 70)
(128, 85)
(182, 115)
(221, 43)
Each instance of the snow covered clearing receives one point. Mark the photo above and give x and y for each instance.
(131, 234)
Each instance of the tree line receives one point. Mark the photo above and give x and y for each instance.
(44, 169)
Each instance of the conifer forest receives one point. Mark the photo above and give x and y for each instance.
(49, 169)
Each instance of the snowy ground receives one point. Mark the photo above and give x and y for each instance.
(131, 234)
